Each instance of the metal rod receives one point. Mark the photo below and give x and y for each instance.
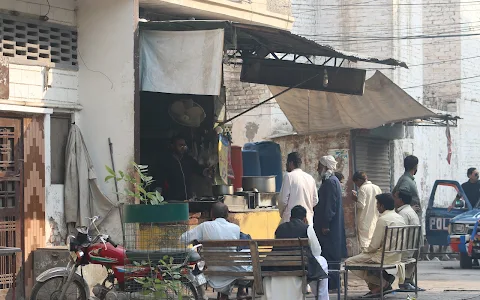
(110, 145)
(265, 101)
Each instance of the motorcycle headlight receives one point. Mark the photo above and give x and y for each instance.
(459, 228)
(201, 265)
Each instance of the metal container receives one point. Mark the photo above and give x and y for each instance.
(262, 184)
(222, 189)
(235, 203)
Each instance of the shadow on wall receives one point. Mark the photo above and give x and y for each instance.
(251, 130)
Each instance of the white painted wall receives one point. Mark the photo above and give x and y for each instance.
(106, 78)
(58, 11)
(42, 86)
(352, 27)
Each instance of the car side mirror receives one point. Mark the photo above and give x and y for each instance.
(459, 203)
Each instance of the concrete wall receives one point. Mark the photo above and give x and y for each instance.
(106, 78)
(57, 11)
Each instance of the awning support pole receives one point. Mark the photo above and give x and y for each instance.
(265, 101)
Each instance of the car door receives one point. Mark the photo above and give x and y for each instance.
(438, 215)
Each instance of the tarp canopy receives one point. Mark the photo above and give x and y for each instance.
(382, 103)
(253, 38)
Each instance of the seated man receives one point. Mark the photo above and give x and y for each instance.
(279, 288)
(373, 254)
(218, 229)
(403, 208)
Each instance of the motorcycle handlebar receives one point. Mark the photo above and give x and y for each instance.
(112, 242)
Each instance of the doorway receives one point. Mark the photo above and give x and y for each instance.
(11, 190)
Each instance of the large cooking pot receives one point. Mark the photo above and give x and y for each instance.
(222, 189)
(263, 184)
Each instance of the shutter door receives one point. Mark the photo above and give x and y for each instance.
(373, 157)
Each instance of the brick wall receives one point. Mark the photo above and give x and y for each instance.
(441, 96)
(313, 147)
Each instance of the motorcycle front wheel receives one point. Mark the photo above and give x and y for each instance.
(52, 288)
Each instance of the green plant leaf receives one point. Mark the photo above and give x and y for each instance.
(109, 170)
(136, 263)
(109, 177)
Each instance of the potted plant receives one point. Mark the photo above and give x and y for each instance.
(151, 208)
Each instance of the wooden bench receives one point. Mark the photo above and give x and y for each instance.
(403, 240)
(289, 258)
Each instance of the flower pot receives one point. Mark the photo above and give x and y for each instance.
(165, 213)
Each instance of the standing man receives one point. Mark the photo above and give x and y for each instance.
(298, 188)
(403, 208)
(407, 183)
(373, 254)
(177, 171)
(367, 213)
(328, 219)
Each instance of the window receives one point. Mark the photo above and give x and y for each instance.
(60, 127)
(37, 42)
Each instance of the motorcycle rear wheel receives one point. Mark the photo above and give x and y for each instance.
(75, 291)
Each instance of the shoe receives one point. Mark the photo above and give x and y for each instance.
(390, 278)
(408, 287)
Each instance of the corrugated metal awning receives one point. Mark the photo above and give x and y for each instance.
(382, 103)
(255, 38)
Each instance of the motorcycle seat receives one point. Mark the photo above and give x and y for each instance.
(156, 255)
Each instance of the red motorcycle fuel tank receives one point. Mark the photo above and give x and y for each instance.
(108, 256)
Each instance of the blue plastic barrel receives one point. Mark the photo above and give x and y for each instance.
(270, 161)
(251, 163)
(250, 146)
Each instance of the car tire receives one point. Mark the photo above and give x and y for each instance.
(465, 261)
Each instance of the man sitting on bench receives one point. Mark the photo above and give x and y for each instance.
(373, 254)
(278, 288)
(219, 229)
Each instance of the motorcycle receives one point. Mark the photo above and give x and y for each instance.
(155, 274)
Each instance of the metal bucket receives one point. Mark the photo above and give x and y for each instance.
(262, 184)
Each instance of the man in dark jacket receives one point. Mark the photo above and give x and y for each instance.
(328, 219)
(178, 170)
(317, 265)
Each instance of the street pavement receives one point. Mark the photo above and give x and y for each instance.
(442, 280)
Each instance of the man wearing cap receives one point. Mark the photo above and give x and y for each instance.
(328, 219)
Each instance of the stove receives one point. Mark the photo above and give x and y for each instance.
(260, 200)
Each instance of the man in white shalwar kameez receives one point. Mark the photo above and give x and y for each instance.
(298, 188)
(367, 213)
(218, 229)
(373, 254)
(289, 288)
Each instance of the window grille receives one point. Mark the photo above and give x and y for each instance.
(38, 43)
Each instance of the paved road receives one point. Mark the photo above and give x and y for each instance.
(441, 280)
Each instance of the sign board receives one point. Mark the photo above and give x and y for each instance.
(223, 152)
(4, 82)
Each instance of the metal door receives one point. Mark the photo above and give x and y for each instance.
(11, 157)
(373, 157)
(438, 216)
